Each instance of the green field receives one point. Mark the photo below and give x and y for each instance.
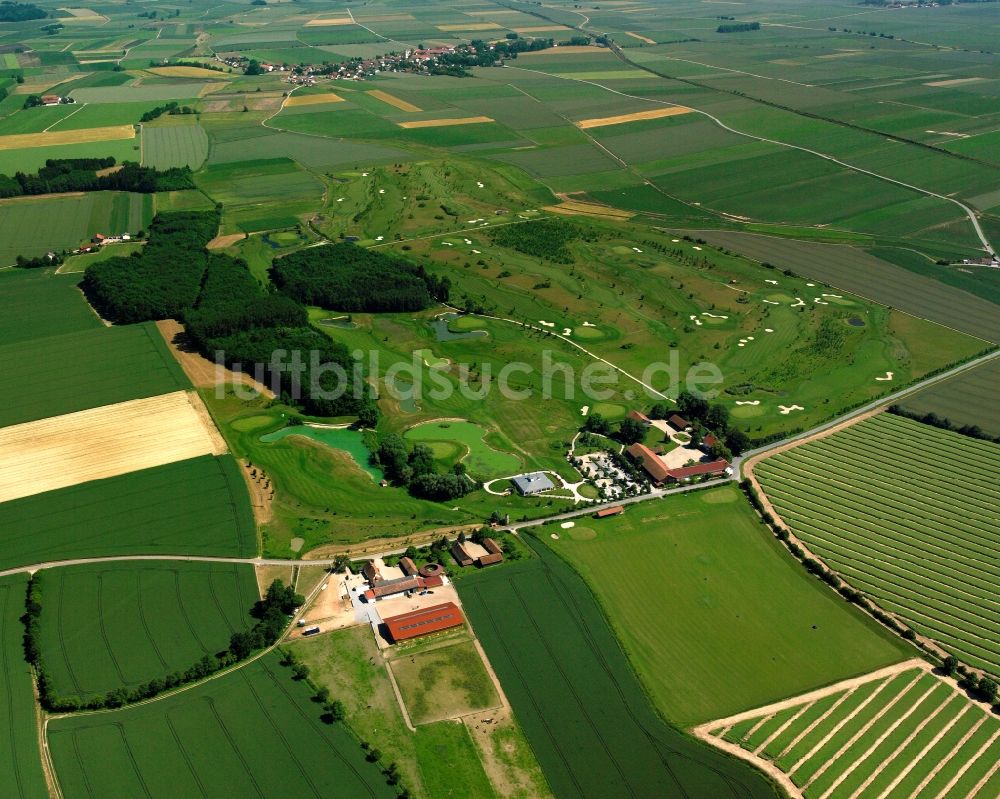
(468, 439)
(73, 372)
(905, 513)
(26, 223)
(884, 738)
(966, 399)
(443, 682)
(20, 761)
(195, 507)
(582, 709)
(36, 303)
(726, 574)
(173, 146)
(120, 625)
(251, 733)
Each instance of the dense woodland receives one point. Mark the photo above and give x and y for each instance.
(546, 238)
(226, 310)
(346, 277)
(20, 12)
(81, 174)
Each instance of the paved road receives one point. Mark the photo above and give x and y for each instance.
(656, 493)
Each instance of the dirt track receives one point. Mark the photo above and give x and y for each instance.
(104, 442)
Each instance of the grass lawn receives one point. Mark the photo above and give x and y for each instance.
(483, 461)
(715, 617)
(443, 682)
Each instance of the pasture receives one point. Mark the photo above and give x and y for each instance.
(55, 138)
(557, 658)
(253, 732)
(35, 303)
(62, 451)
(173, 146)
(442, 682)
(728, 575)
(903, 735)
(197, 507)
(120, 625)
(74, 372)
(969, 398)
(20, 761)
(906, 513)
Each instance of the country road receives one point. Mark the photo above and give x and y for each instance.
(655, 493)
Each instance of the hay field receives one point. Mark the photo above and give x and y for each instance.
(584, 208)
(471, 26)
(442, 123)
(189, 72)
(385, 97)
(313, 99)
(335, 21)
(621, 119)
(18, 141)
(63, 451)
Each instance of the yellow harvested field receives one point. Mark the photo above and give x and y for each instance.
(188, 72)
(385, 97)
(332, 21)
(638, 116)
(18, 140)
(641, 38)
(221, 242)
(441, 123)
(313, 99)
(469, 26)
(104, 442)
(540, 29)
(582, 208)
(568, 49)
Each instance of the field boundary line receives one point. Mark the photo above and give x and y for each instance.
(967, 765)
(814, 696)
(399, 695)
(974, 791)
(769, 768)
(944, 761)
(782, 728)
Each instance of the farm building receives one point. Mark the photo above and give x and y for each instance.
(604, 513)
(534, 483)
(640, 417)
(493, 553)
(708, 442)
(679, 423)
(651, 463)
(460, 554)
(407, 566)
(424, 622)
(371, 573)
(715, 468)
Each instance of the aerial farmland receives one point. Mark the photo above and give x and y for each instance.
(500, 399)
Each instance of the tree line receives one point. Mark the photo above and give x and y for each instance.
(226, 310)
(81, 174)
(271, 614)
(944, 423)
(20, 12)
(171, 108)
(346, 277)
(738, 27)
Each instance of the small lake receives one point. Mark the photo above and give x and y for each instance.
(343, 322)
(343, 438)
(440, 325)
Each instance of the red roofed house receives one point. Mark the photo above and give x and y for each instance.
(459, 553)
(407, 566)
(650, 462)
(678, 422)
(493, 553)
(709, 441)
(615, 510)
(712, 468)
(639, 417)
(424, 621)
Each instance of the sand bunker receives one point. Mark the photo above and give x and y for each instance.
(589, 324)
(567, 525)
(768, 330)
(772, 302)
(748, 402)
(888, 376)
(567, 331)
(546, 324)
(555, 536)
(713, 315)
(799, 301)
(772, 282)
(584, 410)
(787, 409)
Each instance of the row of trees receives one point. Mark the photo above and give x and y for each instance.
(738, 27)
(415, 468)
(944, 423)
(346, 277)
(81, 174)
(171, 108)
(272, 619)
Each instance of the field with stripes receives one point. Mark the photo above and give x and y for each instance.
(906, 513)
(119, 625)
(899, 733)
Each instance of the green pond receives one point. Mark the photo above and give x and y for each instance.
(344, 438)
(443, 324)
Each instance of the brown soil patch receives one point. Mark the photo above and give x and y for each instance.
(202, 372)
(313, 99)
(570, 207)
(638, 116)
(441, 123)
(261, 492)
(18, 141)
(338, 21)
(376, 546)
(268, 574)
(385, 97)
(645, 39)
(104, 442)
(221, 242)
